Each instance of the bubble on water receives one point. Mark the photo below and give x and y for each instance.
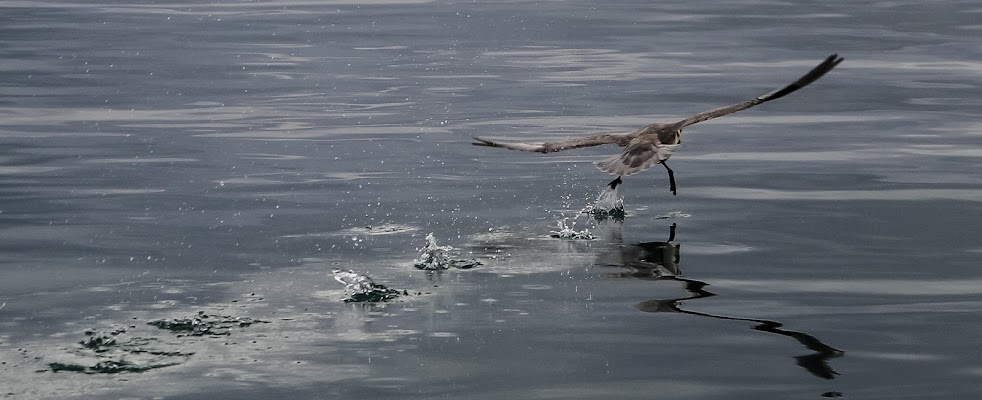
(673, 215)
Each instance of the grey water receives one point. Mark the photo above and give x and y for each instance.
(177, 160)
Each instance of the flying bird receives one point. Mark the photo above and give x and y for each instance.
(655, 143)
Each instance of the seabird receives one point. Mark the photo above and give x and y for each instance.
(655, 143)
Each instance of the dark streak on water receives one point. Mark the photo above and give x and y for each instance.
(159, 159)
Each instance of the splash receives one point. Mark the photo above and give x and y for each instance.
(609, 203)
(111, 353)
(569, 232)
(434, 257)
(115, 352)
(204, 325)
(361, 289)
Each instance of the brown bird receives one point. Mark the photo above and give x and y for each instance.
(655, 143)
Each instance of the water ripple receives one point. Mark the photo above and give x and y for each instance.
(869, 287)
(926, 194)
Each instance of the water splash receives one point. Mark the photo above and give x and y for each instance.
(434, 257)
(569, 232)
(360, 288)
(204, 325)
(110, 353)
(609, 203)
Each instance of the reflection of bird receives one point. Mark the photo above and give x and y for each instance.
(659, 261)
(655, 143)
(816, 363)
(648, 260)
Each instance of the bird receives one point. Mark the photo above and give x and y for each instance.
(655, 143)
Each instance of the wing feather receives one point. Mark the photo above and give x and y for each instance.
(568, 144)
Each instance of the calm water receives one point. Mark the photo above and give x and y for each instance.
(158, 159)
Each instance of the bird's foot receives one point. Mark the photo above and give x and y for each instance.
(614, 183)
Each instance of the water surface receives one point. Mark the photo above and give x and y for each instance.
(158, 160)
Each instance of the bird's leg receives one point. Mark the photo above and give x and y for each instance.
(614, 183)
(671, 178)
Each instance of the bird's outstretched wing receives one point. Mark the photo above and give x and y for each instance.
(549, 147)
(813, 75)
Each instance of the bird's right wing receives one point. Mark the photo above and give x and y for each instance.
(819, 71)
(549, 147)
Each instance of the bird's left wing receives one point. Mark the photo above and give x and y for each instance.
(550, 147)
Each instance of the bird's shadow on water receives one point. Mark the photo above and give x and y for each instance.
(659, 261)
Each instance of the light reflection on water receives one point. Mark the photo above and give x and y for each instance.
(163, 159)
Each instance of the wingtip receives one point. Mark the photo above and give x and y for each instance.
(482, 142)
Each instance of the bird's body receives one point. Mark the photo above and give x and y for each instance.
(655, 143)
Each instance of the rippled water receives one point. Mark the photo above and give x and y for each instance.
(167, 161)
